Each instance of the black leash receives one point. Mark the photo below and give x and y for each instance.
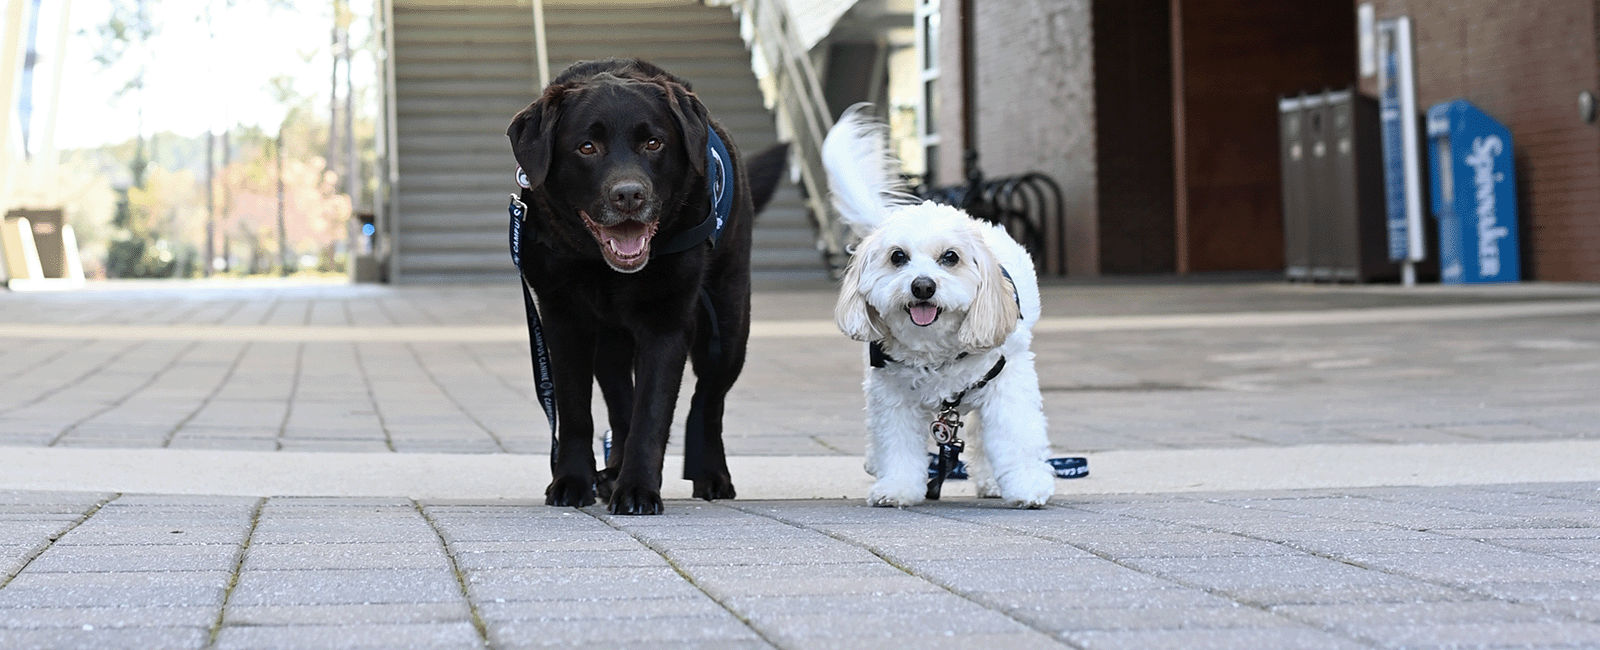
(544, 383)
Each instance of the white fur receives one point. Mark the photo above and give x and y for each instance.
(1005, 425)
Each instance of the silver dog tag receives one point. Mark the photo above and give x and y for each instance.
(946, 427)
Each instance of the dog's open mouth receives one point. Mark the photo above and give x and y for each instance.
(923, 313)
(626, 245)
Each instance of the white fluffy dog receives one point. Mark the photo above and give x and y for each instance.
(947, 299)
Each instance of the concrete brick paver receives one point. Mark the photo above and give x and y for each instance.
(1447, 566)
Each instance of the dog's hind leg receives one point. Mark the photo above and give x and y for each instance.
(613, 370)
(718, 357)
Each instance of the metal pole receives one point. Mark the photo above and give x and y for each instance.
(283, 238)
(1409, 143)
(541, 51)
(10, 63)
(391, 147)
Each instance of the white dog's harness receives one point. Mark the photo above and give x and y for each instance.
(946, 429)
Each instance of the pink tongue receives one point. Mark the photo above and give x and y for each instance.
(923, 314)
(629, 246)
(628, 239)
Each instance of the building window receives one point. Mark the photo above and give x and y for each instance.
(927, 20)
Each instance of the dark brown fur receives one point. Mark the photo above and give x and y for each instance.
(633, 325)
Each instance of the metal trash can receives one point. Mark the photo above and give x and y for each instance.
(1332, 173)
(1474, 195)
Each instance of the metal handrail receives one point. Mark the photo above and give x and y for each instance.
(799, 102)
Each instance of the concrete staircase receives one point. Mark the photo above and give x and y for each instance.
(462, 72)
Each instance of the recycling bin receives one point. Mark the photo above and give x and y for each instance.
(1333, 219)
(1474, 195)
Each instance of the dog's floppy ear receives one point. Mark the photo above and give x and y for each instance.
(532, 132)
(857, 319)
(994, 313)
(693, 121)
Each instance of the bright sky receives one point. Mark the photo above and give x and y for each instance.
(194, 80)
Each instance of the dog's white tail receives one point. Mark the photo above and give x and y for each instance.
(863, 176)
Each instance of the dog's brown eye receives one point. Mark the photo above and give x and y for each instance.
(587, 149)
(652, 144)
(898, 257)
(949, 258)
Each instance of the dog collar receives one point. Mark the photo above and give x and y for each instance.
(719, 175)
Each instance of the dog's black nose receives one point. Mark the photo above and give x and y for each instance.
(923, 287)
(627, 197)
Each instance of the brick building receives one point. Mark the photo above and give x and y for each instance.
(1159, 117)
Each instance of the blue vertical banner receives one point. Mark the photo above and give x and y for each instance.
(1473, 178)
(1402, 146)
(1394, 179)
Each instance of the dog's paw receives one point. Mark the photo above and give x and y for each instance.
(634, 500)
(901, 494)
(987, 488)
(711, 489)
(570, 492)
(1029, 488)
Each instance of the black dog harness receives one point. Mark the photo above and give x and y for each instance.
(719, 184)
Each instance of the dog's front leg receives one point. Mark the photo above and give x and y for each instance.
(897, 431)
(572, 370)
(657, 375)
(613, 371)
(1016, 438)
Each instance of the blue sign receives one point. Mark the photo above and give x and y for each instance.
(1474, 195)
(1394, 164)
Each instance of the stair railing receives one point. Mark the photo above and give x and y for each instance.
(794, 92)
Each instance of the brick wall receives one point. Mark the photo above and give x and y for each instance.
(1035, 107)
(1524, 63)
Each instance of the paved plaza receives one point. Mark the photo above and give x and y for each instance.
(320, 465)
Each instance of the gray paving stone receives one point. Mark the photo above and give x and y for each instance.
(895, 624)
(1019, 641)
(597, 610)
(1218, 638)
(510, 585)
(118, 616)
(1367, 615)
(111, 533)
(342, 637)
(348, 614)
(1068, 621)
(355, 555)
(1032, 604)
(687, 631)
(345, 587)
(803, 586)
(145, 638)
(154, 588)
(66, 558)
(1502, 634)
(1470, 569)
(1062, 576)
(557, 559)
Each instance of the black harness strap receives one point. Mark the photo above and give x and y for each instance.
(947, 432)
